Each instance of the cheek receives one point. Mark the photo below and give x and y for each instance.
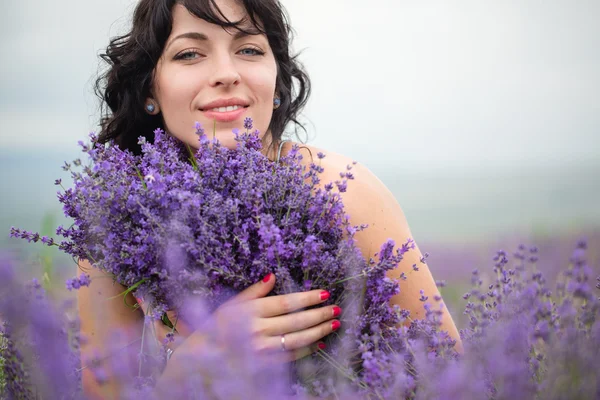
(178, 88)
(263, 81)
(176, 93)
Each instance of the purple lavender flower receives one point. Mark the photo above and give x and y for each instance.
(188, 231)
(248, 123)
(37, 353)
(76, 283)
(169, 223)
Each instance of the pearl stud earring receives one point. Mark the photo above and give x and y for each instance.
(276, 103)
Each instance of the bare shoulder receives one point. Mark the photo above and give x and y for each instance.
(367, 199)
(335, 163)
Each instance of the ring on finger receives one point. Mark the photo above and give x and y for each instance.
(282, 342)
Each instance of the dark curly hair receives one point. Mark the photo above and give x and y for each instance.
(124, 87)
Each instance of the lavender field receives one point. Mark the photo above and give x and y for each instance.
(459, 267)
(474, 227)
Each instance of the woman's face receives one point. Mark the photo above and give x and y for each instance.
(202, 63)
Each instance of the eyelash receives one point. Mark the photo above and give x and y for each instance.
(181, 56)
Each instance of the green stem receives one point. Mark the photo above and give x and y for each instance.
(192, 157)
(141, 177)
(352, 277)
(129, 290)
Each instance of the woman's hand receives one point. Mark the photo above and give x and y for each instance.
(270, 318)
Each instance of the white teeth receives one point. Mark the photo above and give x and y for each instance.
(226, 109)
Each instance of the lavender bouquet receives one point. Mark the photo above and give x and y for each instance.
(172, 223)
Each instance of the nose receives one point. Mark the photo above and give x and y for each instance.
(224, 71)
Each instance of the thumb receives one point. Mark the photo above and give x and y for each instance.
(257, 290)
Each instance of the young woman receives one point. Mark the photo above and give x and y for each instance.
(218, 62)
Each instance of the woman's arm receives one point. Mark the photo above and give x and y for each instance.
(100, 318)
(103, 313)
(368, 201)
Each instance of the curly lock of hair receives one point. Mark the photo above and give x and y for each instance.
(126, 84)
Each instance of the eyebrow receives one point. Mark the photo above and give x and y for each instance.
(201, 36)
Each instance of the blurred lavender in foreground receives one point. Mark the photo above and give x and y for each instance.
(40, 349)
(523, 341)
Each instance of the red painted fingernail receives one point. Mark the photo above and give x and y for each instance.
(324, 295)
(322, 346)
(336, 311)
(267, 278)
(335, 325)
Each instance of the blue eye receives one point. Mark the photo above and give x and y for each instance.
(186, 55)
(256, 52)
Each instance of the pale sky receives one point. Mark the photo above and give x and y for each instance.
(399, 84)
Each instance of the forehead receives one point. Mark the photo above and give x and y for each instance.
(184, 19)
(232, 9)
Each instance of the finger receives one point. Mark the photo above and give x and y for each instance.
(287, 303)
(296, 321)
(257, 290)
(297, 340)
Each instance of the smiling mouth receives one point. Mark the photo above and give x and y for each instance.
(225, 109)
(227, 114)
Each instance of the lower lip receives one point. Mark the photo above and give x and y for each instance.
(227, 116)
